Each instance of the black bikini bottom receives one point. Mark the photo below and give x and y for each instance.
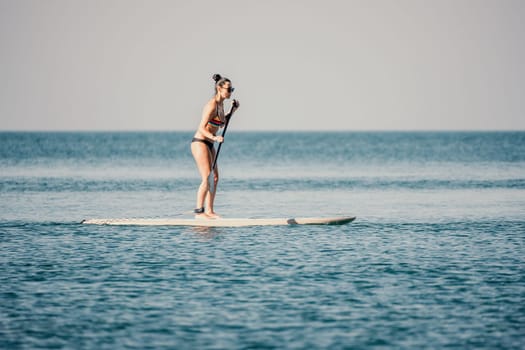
(209, 144)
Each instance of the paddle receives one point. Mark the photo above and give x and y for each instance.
(228, 116)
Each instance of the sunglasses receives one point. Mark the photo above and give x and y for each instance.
(229, 89)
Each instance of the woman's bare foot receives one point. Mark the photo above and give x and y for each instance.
(202, 216)
(213, 215)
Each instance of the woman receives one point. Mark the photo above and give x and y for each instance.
(213, 118)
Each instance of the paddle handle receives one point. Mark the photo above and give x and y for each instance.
(228, 117)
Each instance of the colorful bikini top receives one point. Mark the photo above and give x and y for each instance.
(216, 122)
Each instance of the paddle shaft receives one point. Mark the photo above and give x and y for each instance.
(211, 182)
(228, 117)
(220, 145)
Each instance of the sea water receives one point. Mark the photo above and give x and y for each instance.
(435, 258)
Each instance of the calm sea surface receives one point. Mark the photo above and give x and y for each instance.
(435, 259)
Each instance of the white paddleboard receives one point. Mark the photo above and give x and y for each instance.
(222, 222)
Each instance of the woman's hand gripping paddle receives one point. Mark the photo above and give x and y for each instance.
(228, 116)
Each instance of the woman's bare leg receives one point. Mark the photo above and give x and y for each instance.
(202, 157)
(210, 198)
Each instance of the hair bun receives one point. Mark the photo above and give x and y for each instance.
(217, 77)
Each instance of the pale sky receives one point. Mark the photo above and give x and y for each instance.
(296, 65)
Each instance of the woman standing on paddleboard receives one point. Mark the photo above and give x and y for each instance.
(213, 118)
